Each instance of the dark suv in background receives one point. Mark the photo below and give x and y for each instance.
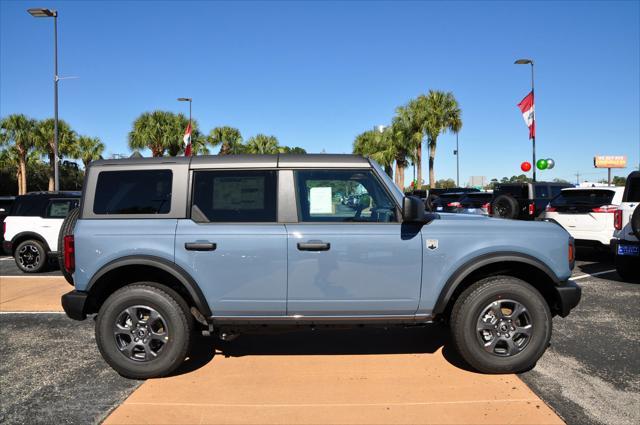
(524, 201)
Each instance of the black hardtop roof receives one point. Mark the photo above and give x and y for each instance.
(223, 161)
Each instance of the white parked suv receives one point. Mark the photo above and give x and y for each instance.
(32, 227)
(586, 212)
(626, 242)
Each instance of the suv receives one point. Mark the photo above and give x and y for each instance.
(31, 229)
(230, 243)
(5, 206)
(523, 201)
(626, 242)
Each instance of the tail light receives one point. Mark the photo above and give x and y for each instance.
(551, 209)
(605, 209)
(532, 208)
(69, 254)
(4, 229)
(453, 204)
(487, 207)
(617, 219)
(490, 209)
(572, 253)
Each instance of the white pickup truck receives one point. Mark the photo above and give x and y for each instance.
(32, 227)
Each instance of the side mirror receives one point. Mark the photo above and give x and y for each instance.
(413, 210)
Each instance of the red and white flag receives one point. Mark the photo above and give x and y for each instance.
(528, 113)
(187, 141)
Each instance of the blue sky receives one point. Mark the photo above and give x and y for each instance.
(315, 74)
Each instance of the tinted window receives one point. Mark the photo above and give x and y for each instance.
(133, 192)
(60, 208)
(583, 197)
(555, 190)
(236, 196)
(632, 193)
(517, 191)
(343, 196)
(5, 206)
(542, 191)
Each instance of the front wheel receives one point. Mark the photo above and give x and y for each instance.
(144, 331)
(501, 325)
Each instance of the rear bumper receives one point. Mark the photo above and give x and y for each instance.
(569, 294)
(7, 247)
(74, 303)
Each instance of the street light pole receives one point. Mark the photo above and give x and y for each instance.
(48, 13)
(530, 62)
(457, 162)
(187, 99)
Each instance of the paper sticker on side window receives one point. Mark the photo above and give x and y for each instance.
(320, 200)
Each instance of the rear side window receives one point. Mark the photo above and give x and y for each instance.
(583, 197)
(60, 208)
(133, 192)
(542, 191)
(236, 196)
(632, 193)
(517, 191)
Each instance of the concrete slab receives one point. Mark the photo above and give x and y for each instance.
(32, 293)
(272, 387)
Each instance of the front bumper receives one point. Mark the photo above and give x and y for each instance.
(74, 304)
(569, 294)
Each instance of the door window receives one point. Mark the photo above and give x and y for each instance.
(343, 196)
(235, 196)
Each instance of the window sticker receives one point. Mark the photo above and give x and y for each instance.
(320, 200)
(239, 193)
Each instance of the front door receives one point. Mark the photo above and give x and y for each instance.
(232, 244)
(349, 255)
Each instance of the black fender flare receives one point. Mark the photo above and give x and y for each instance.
(28, 235)
(484, 260)
(167, 266)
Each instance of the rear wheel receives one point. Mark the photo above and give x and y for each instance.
(505, 206)
(144, 330)
(31, 256)
(501, 325)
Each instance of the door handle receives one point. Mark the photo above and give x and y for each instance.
(200, 246)
(314, 246)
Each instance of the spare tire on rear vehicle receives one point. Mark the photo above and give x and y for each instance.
(635, 222)
(66, 229)
(505, 206)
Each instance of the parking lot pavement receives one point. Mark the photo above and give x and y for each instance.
(32, 293)
(591, 372)
(361, 376)
(8, 268)
(52, 373)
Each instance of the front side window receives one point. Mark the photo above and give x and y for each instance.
(133, 192)
(343, 196)
(236, 196)
(60, 208)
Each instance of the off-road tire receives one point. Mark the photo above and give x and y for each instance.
(66, 229)
(37, 249)
(635, 222)
(173, 310)
(505, 206)
(469, 307)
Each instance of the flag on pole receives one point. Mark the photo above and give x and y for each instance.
(187, 141)
(528, 113)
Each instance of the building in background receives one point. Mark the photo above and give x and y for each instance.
(477, 182)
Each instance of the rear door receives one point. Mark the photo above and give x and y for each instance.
(55, 213)
(232, 243)
(350, 260)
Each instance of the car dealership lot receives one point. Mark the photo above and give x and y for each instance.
(52, 371)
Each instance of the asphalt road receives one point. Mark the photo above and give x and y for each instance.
(51, 370)
(52, 373)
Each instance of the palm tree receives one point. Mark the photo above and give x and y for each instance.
(292, 150)
(18, 131)
(45, 139)
(155, 131)
(376, 145)
(88, 149)
(443, 114)
(177, 125)
(262, 144)
(228, 138)
(413, 116)
(404, 147)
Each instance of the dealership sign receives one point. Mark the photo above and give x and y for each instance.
(610, 161)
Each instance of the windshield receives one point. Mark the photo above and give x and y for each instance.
(583, 197)
(395, 191)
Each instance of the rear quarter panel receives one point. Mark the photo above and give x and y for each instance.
(463, 238)
(98, 242)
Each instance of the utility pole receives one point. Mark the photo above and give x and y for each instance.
(457, 154)
(533, 139)
(578, 178)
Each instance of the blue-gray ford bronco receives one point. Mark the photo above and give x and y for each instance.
(161, 248)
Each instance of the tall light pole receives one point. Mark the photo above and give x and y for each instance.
(457, 154)
(187, 99)
(530, 62)
(48, 13)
